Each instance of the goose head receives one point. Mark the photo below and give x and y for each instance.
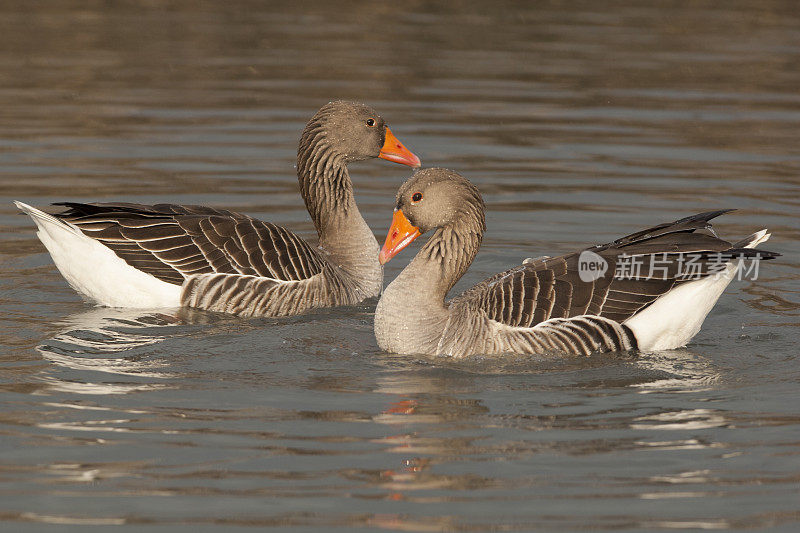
(433, 198)
(354, 132)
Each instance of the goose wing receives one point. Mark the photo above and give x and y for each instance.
(640, 268)
(174, 242)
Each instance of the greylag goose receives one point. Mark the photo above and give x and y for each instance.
(578, 303)
(166, 255)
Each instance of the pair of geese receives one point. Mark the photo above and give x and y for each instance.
(166, 255)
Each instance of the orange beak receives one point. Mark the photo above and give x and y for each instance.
(393, 150)
(400, 235)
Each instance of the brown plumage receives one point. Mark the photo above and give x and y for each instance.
(544, 305)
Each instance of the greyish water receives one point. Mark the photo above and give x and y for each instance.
(579, 122)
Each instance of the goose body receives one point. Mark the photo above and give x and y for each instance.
(167, 255)
(547, 305)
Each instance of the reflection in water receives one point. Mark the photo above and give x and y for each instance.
(105, 341)
(432, 424)
(428, 420)
(52, 384)
(425, 408)
(687, 372)
(71, 520)
(686, 419)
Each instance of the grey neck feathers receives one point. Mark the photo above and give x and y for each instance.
(452, 248)
(328, 193)
(324, 181)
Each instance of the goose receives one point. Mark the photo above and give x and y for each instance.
(549, 306)
(167, 255)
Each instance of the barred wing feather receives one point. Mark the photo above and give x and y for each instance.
(540, 293)
(175, 242)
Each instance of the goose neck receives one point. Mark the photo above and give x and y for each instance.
(324, 182)
(328, 194)
(449, 253)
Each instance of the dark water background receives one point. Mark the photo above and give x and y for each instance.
(579, 121)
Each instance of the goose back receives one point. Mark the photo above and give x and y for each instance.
(550, 288)
(174, 242)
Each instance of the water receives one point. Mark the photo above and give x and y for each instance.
(579, 122)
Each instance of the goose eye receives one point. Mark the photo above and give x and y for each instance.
(370, 122)
(417, 196)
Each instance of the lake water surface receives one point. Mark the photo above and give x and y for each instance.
(580, 122)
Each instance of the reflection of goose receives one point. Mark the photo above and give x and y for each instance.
(132, 255)
(102, 340)
(546, 305)
(685, 371)
(423, 403)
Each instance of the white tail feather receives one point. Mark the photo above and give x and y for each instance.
(95, 271)
(753, 240)
(45, 220)
(674, 318)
